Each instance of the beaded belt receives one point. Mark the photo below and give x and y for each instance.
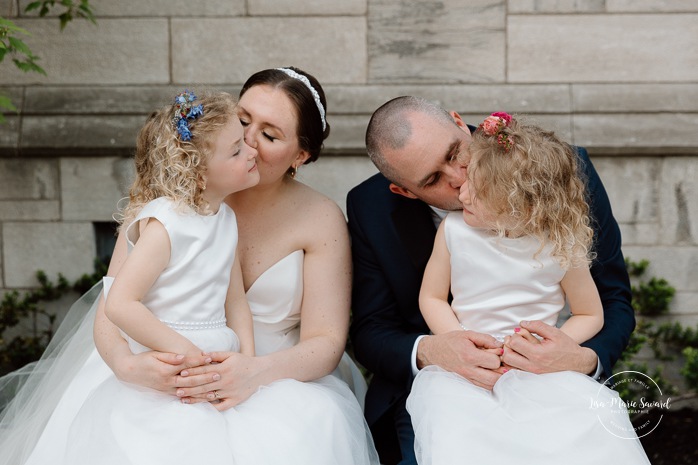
(194, 325)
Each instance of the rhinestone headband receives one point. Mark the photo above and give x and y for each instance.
(316, 96)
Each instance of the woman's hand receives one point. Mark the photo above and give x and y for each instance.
(231, 379)
(156, 370)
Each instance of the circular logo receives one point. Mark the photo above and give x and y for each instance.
(641, 399)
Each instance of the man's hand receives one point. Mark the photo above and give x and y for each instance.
(556, 351)
(461, 352)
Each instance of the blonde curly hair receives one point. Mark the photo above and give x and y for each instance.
(533, 187)
(167, 166)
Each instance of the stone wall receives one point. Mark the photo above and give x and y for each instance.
(619, 77)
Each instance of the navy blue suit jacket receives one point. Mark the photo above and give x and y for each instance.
(392, 238)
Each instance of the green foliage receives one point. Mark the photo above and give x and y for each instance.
(11, 45)
(667, 341)
(28, 308)
(651, 297)
(632, 391)
(690, 369)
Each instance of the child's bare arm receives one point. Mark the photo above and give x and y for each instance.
(585, 305)
(137, 275)
(237, 310)
(433, 295)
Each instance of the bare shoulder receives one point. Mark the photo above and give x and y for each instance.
(322, 217)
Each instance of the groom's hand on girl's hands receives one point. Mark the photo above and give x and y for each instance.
(460, 352)
(555, 351)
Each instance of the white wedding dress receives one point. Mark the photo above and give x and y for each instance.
(527, 418)
(84, 415)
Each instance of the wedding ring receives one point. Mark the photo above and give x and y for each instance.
(217, 394)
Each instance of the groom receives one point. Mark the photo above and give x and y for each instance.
(393, 217)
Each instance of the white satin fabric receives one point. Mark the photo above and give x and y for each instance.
(92, 418)
(527, 418)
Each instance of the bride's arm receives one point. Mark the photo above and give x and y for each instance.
(155, 370)
(324, 320)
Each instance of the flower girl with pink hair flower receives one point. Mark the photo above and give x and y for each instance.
(520, 248)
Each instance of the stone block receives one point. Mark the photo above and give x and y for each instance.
(234, 50)
(347, 133)
(636, 133)
(306, 7)
(9, 9)
(644, 98)
(169, 8)
(639, 233)
(336, 176)
(115, 51)
(633, 187)
(31, 179)
(30, 210)
(677, 264)
(66, 132)
(463, 98)
(685, 304)
(679, 201)
(602, 48)
(438, 42)
(651, 6)
(9, 133)
(106, 100)
(92, 187)
(67, 248)
(556, 6)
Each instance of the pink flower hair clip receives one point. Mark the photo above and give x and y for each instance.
(493, 125)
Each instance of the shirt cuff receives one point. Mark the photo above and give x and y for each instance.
(415, 370)
(599, 370)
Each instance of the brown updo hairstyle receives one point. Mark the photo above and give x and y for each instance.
(309, 129)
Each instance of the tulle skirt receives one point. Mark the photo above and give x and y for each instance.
(71, 410)
(526, 418)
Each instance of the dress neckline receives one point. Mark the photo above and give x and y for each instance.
(259, 278)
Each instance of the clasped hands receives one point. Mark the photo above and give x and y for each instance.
(480, 358)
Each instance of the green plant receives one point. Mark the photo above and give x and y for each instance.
(668, 341)
(690, 369)
(11, 45)
(29, 309)
(651, 297)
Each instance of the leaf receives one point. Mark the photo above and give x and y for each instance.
(32, 6)
(12, 27)
(20, 46)
(6, 103)
(65, 19)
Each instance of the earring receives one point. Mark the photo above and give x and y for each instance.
(292, 171)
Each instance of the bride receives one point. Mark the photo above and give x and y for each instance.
(293, 400)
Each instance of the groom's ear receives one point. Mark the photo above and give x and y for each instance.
(395, 189)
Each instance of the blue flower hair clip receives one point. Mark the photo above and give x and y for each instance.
(184, 111)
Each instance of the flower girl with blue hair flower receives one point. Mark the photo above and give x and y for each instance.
(179, 290)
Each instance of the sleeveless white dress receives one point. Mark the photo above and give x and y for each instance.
(527, 418)
(98, 419)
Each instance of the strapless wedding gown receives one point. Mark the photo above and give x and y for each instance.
(96, 419)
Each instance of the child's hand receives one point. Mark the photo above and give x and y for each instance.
(523, 333)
